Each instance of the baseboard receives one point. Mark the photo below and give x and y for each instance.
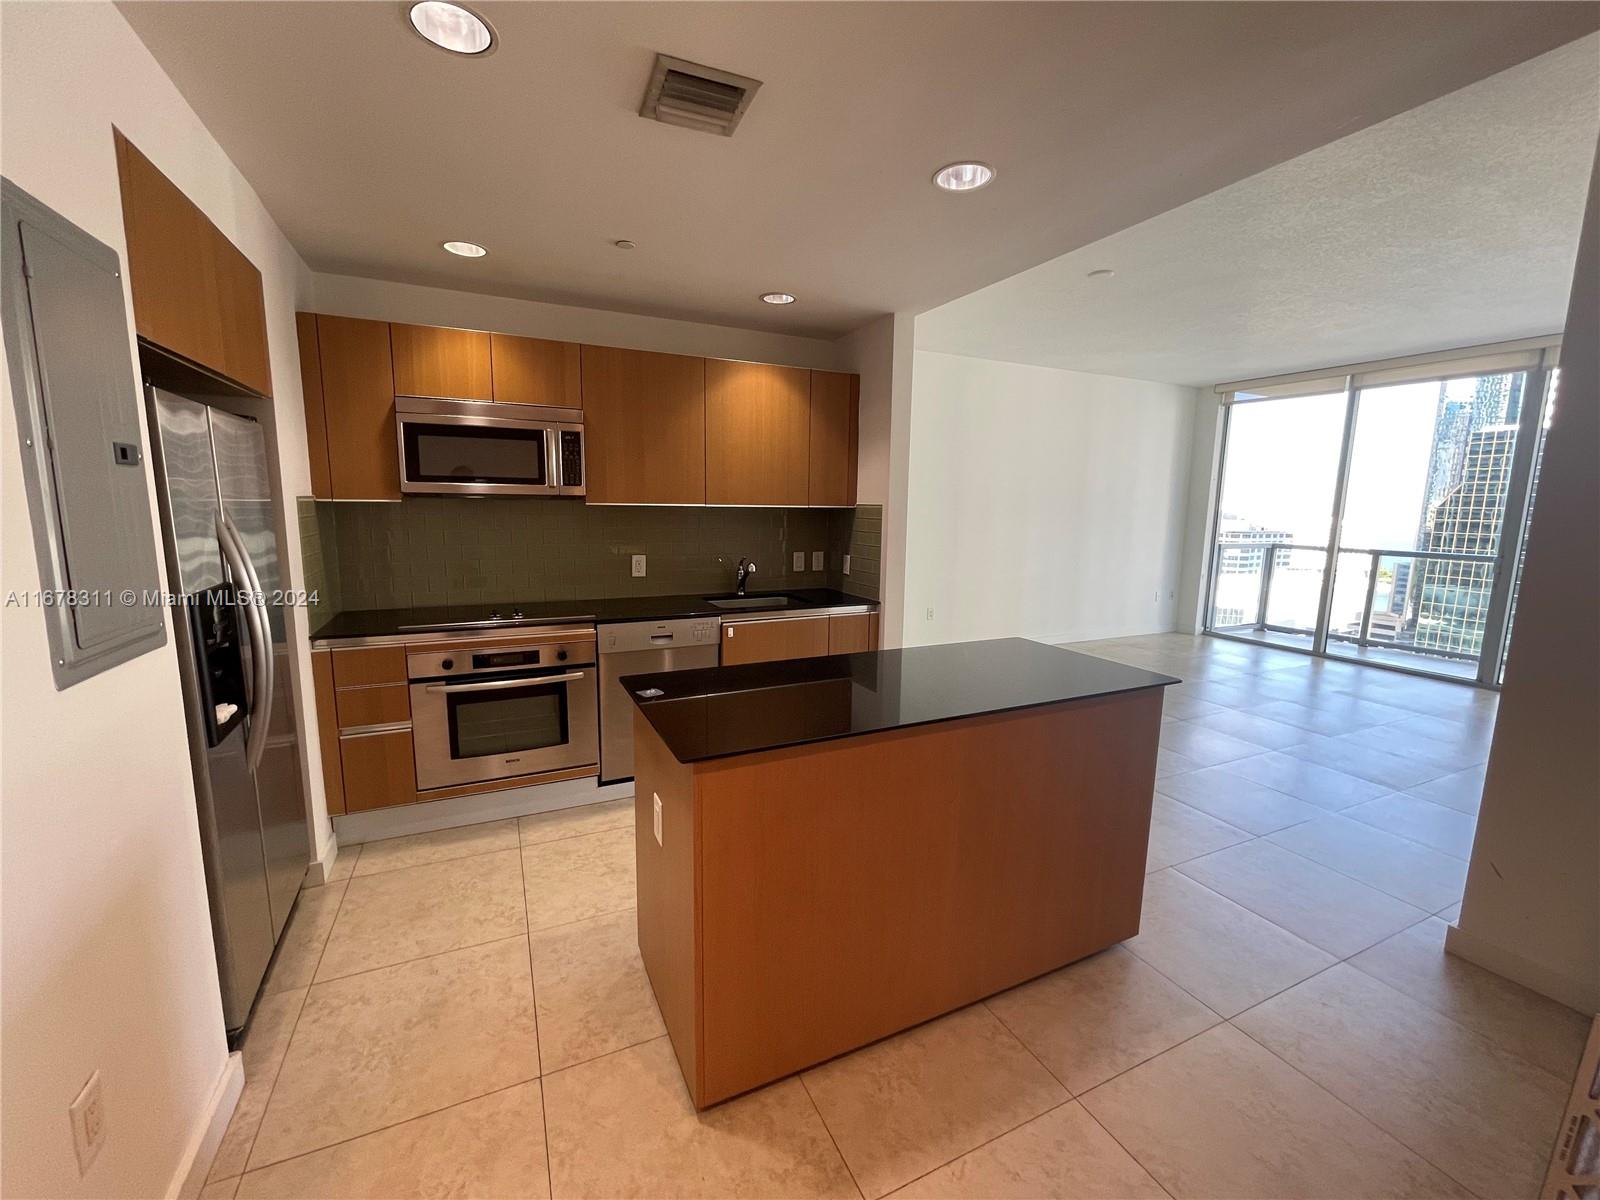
(195, 1165)
(1580, 994)
(383, 823)
(321, 869)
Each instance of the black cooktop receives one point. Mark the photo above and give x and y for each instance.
(719, 711)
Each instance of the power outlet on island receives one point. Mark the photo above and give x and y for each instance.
(656, 802)
(799, 560)
(847, 564)
(88, 1115)
(638, 566)
(816, 560)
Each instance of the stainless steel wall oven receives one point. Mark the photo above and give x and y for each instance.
(497, 710)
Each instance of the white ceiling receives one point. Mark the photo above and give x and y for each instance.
(370, 147)
(1451, 225)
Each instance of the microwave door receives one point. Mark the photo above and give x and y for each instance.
(474, 456)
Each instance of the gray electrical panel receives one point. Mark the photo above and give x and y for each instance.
(78, 421)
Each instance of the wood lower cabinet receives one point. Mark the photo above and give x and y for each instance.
(328, 730)
(453, 363)
(379, 769)
(835, 403)
(852, 633)
(644, 426)
(758, 431)
(358, 407)
(536, 371)
(767, 641)
(194, 293)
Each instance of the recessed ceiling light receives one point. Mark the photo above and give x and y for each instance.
(624, 244)
(1102, 273)
(963, 176)
(451, 27)
(465, 249)
(778, 298)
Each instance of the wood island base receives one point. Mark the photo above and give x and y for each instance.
(804, 902)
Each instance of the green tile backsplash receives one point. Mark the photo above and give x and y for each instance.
(452, 550)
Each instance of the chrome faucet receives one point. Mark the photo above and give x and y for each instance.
(746, 569)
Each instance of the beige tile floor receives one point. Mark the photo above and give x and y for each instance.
(464, 1013)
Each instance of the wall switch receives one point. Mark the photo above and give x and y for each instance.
(799, 560)
(88, 1114)
(816, 560)
(638, 566)
(847, 564)
(656, 799)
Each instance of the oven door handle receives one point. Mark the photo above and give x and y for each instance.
(495, 685)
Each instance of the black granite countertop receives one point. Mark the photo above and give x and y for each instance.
(393, 622)
(720, 711)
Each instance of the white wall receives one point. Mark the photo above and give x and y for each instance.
(1205, 455)
(1532, 905)
(1042, 503)
(881, 353)
(380, 300)
(107, 951)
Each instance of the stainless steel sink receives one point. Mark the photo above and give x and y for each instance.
(749, 601)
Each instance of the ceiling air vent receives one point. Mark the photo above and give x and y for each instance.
(696, 97)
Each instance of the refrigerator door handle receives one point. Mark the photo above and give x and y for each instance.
(260, 638)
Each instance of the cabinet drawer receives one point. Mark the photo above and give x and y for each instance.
(379, 770)
(369, 665)
(852, 633)
(767, 641)
(386, 704)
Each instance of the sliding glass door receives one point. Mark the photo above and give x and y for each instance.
(1425, 476)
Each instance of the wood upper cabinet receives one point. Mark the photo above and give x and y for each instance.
(194, 293)
(644, 426)
(430, 361)
(758, 431)
(835, 401)
(535, 371)
(358, 408)
(305, 331)
(767, 641)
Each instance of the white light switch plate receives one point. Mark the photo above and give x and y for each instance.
(657, 800)
(816, 560)
(88, 1115)
(638, 566)
(847, 564)
(799, 560)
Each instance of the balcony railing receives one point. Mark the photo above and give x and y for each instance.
(1449, 624)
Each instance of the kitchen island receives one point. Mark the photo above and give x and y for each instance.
(833, 849)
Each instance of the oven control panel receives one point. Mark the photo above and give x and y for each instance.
(498, 659)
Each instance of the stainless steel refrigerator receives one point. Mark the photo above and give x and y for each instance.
(215, 494)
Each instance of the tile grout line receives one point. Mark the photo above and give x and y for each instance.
(1347, 1104)
(1365, 883)
(289, 1042)
(520, 845)
(848, 1169)
(356, 1137)
(533, 997)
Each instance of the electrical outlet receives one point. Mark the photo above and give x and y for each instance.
(816, 560)
(638, 566)
(656, 798)
(928, 615)
(799, 560)
(88, 1115)
(847, 564)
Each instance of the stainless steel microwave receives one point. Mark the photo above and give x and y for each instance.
(479, 448)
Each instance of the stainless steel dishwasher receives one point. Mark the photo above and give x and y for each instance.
(638, 648)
